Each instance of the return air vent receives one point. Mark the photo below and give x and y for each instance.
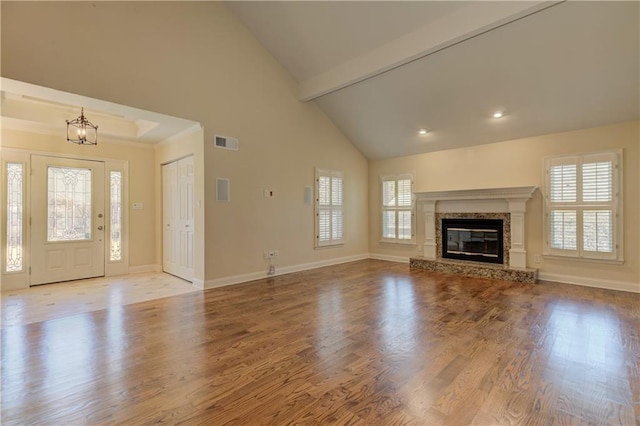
(226, 142)
(223, 190)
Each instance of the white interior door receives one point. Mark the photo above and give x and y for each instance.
(177, 216)
(67, 219)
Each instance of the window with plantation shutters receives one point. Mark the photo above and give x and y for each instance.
(329, 208)
(583, 206)
(397, 209)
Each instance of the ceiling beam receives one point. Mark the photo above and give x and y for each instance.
(471, 21)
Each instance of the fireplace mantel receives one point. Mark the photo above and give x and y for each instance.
(517, 192)
(489, 200)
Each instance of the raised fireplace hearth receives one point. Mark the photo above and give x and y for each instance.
(478, 240)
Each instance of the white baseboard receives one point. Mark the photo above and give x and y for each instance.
(234, 279)
(399, 259)
(145, 268)
(237, 279)
(591, 282)
(198, 283)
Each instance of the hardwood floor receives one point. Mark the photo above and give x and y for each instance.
(368, 342)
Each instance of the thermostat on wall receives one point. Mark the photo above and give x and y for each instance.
(138, 206)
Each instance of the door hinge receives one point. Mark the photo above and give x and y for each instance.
(29, 270)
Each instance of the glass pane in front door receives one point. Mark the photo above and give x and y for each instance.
(69, 204)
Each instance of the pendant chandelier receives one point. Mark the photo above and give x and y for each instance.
(82, 131)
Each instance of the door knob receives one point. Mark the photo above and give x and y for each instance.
(100, 228)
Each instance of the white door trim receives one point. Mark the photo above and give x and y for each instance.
(19, 280)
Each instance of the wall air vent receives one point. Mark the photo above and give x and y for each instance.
(226, 142)
(223, 190)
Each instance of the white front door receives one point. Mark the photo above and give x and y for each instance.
(177, 218)
(67, 219)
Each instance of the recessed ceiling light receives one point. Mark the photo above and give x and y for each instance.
(422, 131)
(498, 114)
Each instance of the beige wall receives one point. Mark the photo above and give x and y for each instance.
(519, 163)
(141, 180)
(195, 60)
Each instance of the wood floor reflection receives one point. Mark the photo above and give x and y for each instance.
(368, 342)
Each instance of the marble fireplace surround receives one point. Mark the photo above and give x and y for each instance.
(508, 204)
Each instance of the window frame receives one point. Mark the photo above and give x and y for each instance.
(331, 208)
(615, 205)
(397, 209)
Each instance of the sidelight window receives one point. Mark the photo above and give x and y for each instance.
(115, 253)
(15, 205)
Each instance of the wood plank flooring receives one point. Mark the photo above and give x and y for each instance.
(368, 342)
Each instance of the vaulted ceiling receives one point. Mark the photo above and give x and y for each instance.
(384, 70)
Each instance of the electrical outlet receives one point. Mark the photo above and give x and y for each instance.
(537, 258)
(270, 254)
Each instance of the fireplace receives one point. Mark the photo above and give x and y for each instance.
(479, 240)
(505, 205)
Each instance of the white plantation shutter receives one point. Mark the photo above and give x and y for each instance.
(324, 225)
(404, 225)
(336, 191)
(336, 225)
(389, 193)
(324, 190)
(329, 208)
(404, 192)
(582, 204)
(597, 180)
(397, 209)
(564, 230)
(563, 183)
(598, 227)
(388, 224)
